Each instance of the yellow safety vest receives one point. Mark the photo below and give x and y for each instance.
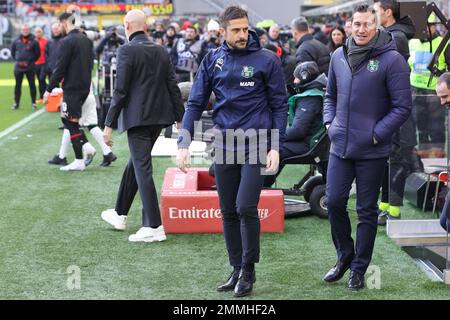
(419, 60)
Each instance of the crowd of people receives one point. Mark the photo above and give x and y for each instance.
(187, 44)
(39, 57)
(354, 78)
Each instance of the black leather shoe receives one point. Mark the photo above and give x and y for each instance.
(231, 282)
(337, 272)
(356, 281)
(110, 157)
(244, 286)
(58, 161)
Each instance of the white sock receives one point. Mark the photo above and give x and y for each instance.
(65, 143)
(98, 135)
(88, 147)
(79, 161)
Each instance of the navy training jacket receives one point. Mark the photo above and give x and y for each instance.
(249, 87)
(373, 101)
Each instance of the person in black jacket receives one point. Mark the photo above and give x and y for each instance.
(403, 157)
(305, 115)
(111, 42)
(308, 48)
(318, 34)
(146, 99)
(25, 51)
(52, 49)
(74, 65)
(402, 29)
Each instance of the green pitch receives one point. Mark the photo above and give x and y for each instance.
(7, 116)
(50, 227)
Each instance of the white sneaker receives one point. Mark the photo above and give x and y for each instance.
(88, 153)
(118, 222)
(76, 165)
(147, 234)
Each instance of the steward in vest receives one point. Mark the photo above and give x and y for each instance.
(430, 116)
(421, 53)
(187, 54)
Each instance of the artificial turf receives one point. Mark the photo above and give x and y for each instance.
(50, 221)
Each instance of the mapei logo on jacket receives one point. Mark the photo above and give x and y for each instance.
(372, 66)
(247, 72)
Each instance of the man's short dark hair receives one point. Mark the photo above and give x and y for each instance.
(231, 13)
(390, 4)
(444, 78)
(67, 16)
(300, 24)
(363, 8)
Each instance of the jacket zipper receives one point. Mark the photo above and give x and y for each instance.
(349, 101)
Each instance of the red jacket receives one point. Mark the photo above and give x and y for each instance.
(42, 44)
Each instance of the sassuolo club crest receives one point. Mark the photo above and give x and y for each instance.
(247, 72)
(372, 66)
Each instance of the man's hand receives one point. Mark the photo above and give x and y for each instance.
(273, 160)
(107, 132)
(178, 125)
(183, 159)
(46, 95)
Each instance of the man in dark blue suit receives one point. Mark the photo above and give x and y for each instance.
(371, 80)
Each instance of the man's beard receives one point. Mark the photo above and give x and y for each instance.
(234, 46)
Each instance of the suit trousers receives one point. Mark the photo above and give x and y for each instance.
(340, 175)
(138, 175)
(18, 88)
(40, 74)
(239, 187)
(394, 177)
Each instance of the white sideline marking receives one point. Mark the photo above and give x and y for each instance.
(21, 123)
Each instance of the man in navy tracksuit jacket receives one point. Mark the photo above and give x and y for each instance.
(249, 86)
(368, 98)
